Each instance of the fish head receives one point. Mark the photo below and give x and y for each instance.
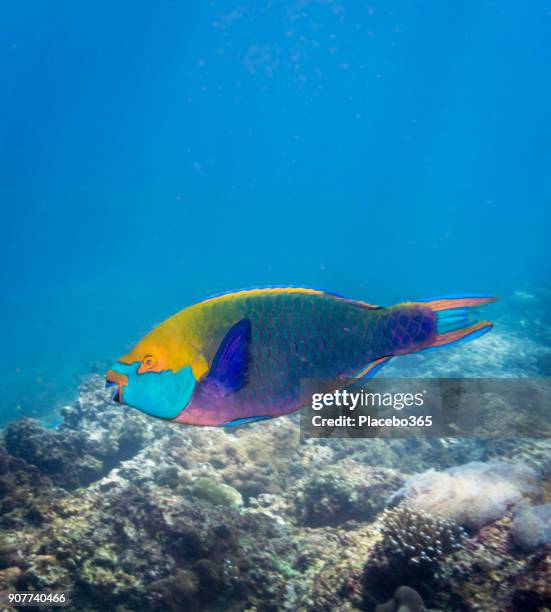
(143, 379)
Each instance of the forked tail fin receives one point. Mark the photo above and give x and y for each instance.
(454, 318)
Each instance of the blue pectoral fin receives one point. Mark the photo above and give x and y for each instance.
(229, 370)
(246, 420)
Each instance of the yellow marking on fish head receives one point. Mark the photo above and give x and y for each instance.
(172, 345)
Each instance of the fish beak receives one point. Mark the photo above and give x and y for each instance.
(114, 388)
(116, 381)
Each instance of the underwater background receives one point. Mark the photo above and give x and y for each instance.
(153, 154)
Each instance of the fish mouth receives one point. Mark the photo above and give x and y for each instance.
(114, 388)
(115, 382)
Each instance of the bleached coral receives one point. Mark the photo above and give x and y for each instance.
(472, 495)
(531, 526)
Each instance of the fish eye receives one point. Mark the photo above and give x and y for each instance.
(149, 362)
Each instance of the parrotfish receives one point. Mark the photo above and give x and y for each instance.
(241, 356)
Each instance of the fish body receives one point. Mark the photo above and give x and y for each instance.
(242, 356)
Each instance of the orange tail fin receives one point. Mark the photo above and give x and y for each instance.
(453, 318)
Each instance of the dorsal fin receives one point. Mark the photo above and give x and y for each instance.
(358, 303)
(288, 289)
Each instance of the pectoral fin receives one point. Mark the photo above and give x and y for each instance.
(229, 370)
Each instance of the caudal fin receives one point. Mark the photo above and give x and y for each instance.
(454, 318)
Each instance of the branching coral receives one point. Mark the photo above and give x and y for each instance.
(417, 538)
(414, 549)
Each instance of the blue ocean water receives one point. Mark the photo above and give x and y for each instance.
(154, 153)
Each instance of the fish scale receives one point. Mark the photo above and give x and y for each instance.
(242, 356)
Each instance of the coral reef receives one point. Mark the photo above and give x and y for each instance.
(473, 494)
(24, 493)
(418, 539)
(415, 547)
(219, 494)
(531, 526)
(66, 457)
(332, 497)
(131, 513)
